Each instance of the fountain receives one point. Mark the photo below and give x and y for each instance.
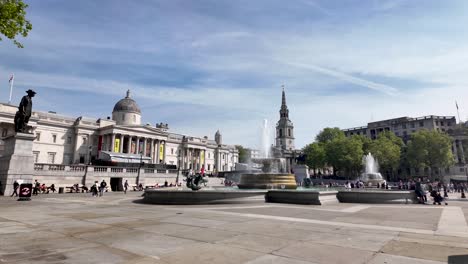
(371, 173)
(274, 174)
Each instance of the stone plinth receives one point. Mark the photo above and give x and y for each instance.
(301, 197)
(17, 162)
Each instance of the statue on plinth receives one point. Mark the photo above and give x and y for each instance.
(24, 112)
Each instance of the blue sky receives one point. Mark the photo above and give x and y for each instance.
(217, 64)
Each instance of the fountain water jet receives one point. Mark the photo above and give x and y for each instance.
(371, 171)
(274, 174)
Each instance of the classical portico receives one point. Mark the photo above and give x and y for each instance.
(129, 142)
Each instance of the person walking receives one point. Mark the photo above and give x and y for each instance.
(126, 186)
(102, 187)
(37, 185)
(94, 189)
(15, 189)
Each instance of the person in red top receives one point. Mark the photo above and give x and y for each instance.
(202, 171)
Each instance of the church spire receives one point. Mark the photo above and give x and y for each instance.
(284, 112)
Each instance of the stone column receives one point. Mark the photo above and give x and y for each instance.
(76, 149)
(158, 146)
(204, 159)
(121, 143)
(113, 143)
(137, 147)
(129, 145)
(17, 161)
(164, 152)
(152, 150)
(455, 151)
(144, 147)
(460, 143)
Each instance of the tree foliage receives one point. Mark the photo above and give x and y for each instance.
(344, 154)
(242, 154)
(315, 155)
(429, 149)
(329, 134)
(387, 150)
(13, 20)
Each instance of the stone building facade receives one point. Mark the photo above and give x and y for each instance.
(70, 141)
(403, 127)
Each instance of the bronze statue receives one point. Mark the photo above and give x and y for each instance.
(195, 182)
(24, 112)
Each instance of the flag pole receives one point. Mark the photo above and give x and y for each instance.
(11, 87)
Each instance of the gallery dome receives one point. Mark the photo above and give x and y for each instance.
(127, 104)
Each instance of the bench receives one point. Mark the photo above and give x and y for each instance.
(375, 196)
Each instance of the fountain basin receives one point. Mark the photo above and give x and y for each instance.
(301, 197)
(267, 181)
(180, 197)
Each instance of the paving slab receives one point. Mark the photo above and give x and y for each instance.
(422, 251)
(392, 259)
(259, 243)
(319, 253)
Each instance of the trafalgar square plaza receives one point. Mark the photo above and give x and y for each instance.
(233, 132)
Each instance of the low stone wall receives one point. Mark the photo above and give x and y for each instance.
(175, 196)
(376, 196)
(301, 197)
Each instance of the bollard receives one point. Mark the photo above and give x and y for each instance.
(463, 194)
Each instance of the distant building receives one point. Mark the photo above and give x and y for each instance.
(403, 127)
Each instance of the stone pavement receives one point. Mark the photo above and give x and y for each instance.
(117, 228)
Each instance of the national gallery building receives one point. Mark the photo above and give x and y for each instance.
(68, 140)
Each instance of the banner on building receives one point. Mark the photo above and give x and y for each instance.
(161, 152)
(99, 143)
(117, 145)
(202, 157)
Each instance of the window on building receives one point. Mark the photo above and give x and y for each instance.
(36, 156)
(209, 166)
(449, 124)
(442, 123)
(85, 140)
(403, 126)
(280, 132)
(289, 132)
(223, 156)
(462, 169)
(405, 133)
(51, 157)
(172, 151)
(209, 154)
(412, 125)
(437, 123)
(4, 132)
(54, 138)
(38, 136)
(69, 140)
(421, 123)
(123, 117)
(443, 129)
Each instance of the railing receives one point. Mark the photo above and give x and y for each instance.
(93, 170)
(117, 170)
(100, 169)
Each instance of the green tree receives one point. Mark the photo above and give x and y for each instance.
(344, 154)
(366, 142)
(329, 134)
(13, 20)
(387, 150)
(315, 156)
(242, 154)
(429, 149)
